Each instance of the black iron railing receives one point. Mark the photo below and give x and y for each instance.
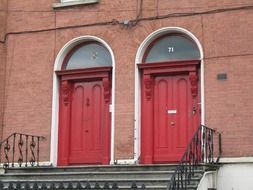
(204, 147)
(21, 150)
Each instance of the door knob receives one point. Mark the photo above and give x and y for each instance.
(172, 123)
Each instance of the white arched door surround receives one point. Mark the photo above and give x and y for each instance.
(55, 102)
(139, 57)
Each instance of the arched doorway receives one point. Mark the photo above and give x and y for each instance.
(85, 83)
(169, 76)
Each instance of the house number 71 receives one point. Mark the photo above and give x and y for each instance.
(170, 49)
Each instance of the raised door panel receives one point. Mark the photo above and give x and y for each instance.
(182, 102)
(163, 142)
(77, 123)
(95, 121)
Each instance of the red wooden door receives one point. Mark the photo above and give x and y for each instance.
(86, 125)
(174, 117)
(84, 117)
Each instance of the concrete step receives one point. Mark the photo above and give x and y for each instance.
(122, 184)
(101, 182)
(31, 186)
(99, 168)
(94, 175)
(152, 176)
(90, 175)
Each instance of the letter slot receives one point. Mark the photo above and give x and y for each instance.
(172, 111)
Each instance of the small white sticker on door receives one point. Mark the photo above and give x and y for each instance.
(172, 111)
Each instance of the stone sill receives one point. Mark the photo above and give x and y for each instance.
(74, 3)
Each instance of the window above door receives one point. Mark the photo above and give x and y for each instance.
(88, 55)
(172, 47)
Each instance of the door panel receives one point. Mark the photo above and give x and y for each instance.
(182, 105)
(77, 119)
(96, 118)
(173, 117)
(86, 122)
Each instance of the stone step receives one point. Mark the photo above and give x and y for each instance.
(92, 186)
(84, 186)
(93, 168)
(120, 182)
(90, 175)
(152, 176)
(93, 175)
(109, 186)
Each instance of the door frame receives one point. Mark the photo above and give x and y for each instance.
(148, 72)
(55, 97)
(102, 74)
(138, 60)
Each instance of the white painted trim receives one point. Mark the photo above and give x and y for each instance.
(125, 162)
(41, 164)
(16, 165)
(236, 160)
(55, 102)
(70, 3)
(206, 174)
(138, 59)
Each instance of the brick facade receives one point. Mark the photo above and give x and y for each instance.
(35, 34)
(3, 20)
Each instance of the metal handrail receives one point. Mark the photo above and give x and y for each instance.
(199, 150)
(23, 149)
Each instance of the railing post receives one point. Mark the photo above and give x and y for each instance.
(203, 150)
(220, 148)
(13, 149)
(26, 149)
(212, 148)
(6, 152)
(20, 146)
(38, 150)
(0, 153)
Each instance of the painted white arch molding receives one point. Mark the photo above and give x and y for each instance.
(55, 101)
(138, 59)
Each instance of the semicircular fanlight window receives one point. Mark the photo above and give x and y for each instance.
(174, 47)
(89, 55)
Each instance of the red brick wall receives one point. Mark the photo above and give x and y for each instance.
(2, 79)
(225, 37)
(28, 91)
(228, 49)
(3, 19)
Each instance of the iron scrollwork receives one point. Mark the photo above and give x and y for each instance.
(6, 153)
(18, 148)
(32, 149)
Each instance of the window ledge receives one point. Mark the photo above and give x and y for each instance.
(74, 3)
